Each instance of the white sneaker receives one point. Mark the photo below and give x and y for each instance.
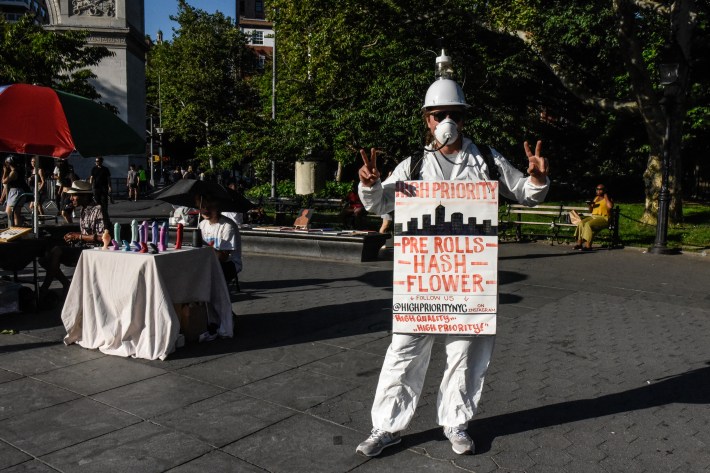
(377, 441)
(461, 443)
(207, 336)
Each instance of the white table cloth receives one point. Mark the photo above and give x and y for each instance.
(122, 302)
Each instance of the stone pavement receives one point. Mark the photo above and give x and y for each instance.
(601, 365)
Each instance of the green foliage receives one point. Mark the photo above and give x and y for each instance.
(285, 188)
(205, 94)
(33, 55)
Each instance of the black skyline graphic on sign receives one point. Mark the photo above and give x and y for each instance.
(456, 226)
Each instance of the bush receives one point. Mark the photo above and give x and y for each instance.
(287, 188)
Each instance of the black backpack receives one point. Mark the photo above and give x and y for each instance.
(415, 168)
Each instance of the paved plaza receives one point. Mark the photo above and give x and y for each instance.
(602, 364)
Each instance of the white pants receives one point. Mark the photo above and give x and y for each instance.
(402, 379)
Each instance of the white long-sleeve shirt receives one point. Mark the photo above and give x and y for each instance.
(469, 165)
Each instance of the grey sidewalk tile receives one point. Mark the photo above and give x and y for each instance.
(27, 395)
(352, 364)
(33, 466)
(6, 376)
(304, 445)
(224, 419)
(377, 346)
(295, 354)
(10, 456)
(46, 358)
(350, 409)
(233, 371)
(57, 427)
(298, 389)
(410, 461)
(157, 395)
(101, 374)
(140, 448)
(21, 341)
(216, 461)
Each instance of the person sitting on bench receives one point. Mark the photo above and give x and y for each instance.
(589, 226)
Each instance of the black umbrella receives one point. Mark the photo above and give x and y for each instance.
(184, 192)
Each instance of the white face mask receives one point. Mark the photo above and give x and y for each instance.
(446, 132)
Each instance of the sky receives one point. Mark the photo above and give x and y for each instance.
(157, 13)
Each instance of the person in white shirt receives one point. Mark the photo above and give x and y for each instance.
(222, 234)
(449, 156)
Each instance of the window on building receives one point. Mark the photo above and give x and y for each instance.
(261, 61)
(257, 37)
(259, 8)
(242, 7)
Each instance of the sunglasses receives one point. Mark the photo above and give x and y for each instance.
(600, 188)
(441, 116)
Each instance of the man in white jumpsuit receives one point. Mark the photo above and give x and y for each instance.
(450, 157)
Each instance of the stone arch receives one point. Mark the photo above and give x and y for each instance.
(53, 11)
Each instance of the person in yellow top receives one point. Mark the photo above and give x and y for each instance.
(588, 226)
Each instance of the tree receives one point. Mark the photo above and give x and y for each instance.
(30, 54)
(205, 91)
(354, 75)
(606, 55)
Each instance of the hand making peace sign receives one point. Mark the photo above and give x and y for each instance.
(537, 165)
(369, 174)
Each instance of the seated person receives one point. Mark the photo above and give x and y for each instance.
(353, 212)
(588, 226)
(304, 219)
(91, 226)
(222, 234)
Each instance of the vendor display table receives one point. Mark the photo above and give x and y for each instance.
(122, 302)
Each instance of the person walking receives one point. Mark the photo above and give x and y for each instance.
(37, 173)
(14, 186)
(132, 182)
(100, 180)
(450, 156)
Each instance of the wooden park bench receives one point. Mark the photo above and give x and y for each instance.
(554, 223)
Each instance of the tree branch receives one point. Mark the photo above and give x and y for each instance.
(576, 87)
(656, 7)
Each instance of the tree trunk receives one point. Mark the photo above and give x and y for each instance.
(339, 173)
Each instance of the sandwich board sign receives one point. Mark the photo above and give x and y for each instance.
(445, 278)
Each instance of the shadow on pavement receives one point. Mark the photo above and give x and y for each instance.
(691, 387)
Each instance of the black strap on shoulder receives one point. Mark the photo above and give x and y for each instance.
(415, 167)
(487, 155)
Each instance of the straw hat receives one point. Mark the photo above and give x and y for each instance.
(80, 187)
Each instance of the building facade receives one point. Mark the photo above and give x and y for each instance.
(252, 21)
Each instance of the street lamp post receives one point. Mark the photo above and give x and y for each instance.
(669, 75)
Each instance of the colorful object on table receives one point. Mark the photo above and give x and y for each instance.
(134, 230)
(178, 237)
(117, 231)
(106, 238)
(141, 232)
(126, 245)
(136, 245)
(115, 245)
(144, 247)
(154, 231)
(47, 122)
(153, 249)
(163, 242)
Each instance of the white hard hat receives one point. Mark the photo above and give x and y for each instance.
(444, 92)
